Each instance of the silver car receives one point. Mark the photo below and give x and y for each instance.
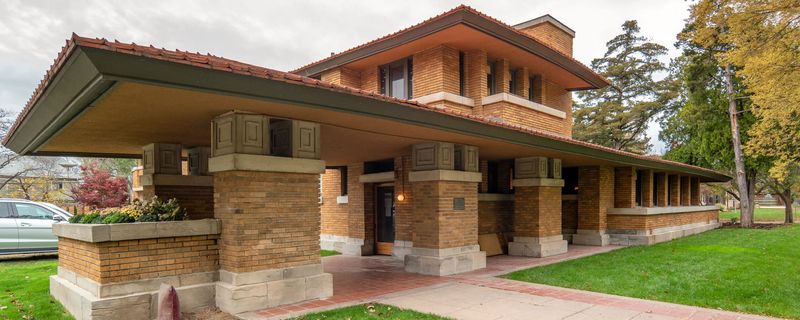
(26, 226)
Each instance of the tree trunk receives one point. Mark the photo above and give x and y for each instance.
(786, 197)
(741, 179)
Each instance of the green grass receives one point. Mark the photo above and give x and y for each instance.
(328, 253)
(743, 270)
(25, 290)
(761, 215)
(370, 311)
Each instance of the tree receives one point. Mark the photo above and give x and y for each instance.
(100, 189)
(784, 189)
(7, 156)
(617, 116)
(697, 128)
(708, 30)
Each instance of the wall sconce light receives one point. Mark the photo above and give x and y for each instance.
(401, 197)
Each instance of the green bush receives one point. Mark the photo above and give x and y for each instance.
(152, 210)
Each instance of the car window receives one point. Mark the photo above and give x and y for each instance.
(30, 211)
(4, 211)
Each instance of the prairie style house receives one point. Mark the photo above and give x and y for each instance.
(413, 145)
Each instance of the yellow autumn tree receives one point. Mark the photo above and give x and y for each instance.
(762, 38)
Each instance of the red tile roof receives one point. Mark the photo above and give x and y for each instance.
(440, 16)
(222, 64)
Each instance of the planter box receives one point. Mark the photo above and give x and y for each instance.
(109, 270)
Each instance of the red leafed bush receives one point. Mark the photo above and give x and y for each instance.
(100, 189)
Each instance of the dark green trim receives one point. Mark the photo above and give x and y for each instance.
(125, 67)
(474, 21)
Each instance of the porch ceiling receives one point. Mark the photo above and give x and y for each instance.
(107, 99)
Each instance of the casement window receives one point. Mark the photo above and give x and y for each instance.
(638, 186)
(491, 77)
(656, 188)
(512, 83)
(397, 79)
(343, 181)
(462, 75)
(531, 91)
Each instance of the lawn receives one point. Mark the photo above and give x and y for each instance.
(744, 270)
(761, 215)
(25, 290)
(370, 311)
(328, 253)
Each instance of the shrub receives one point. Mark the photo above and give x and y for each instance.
(152, 210)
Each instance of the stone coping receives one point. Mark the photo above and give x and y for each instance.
(495, 197)
(263, 163)
(538, 182)
(134, 231)
(445, 96)
(522, 102)
(387, 176)
(647, 211)
(176, 180)
(444, 175)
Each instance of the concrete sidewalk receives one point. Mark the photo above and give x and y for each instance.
(481, 294)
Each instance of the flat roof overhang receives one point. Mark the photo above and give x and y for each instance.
(467, 30)
(106, 103)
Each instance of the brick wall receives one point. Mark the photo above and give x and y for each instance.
(686, 191)
(333, 216)
(435, 70)
(695, 191)
(649, 222)
(475, 65)
(502, 76)
(647, 187)
(552, 36)
(197, 200)
(120, 261)
(675, 190)
(357, 221)
(569, 214)
(436, 224)
(624, 187)
(522, 80)
(342, 76)
(369, 79)
(523, 116)
(661, 185)
(495, 217)
(595, 196)
(535, 212)
(269, 220)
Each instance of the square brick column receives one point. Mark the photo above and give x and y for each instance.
(695, 191)
(624, 187)
(648, 184)
(403, 210)
(674, 190)
(537, 218)
(661, 185)
(269, 242)
(445, 223)
(686, 191)
(595, 197)
(476, 76)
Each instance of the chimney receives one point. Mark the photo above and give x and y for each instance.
(549, 31)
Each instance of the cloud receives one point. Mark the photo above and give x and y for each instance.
(281, 35)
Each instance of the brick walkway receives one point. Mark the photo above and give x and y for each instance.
(480, 294)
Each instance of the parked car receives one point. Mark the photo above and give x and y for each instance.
(27, 226)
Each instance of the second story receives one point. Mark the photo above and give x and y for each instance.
(467, 62)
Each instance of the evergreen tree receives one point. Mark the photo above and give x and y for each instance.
(617, 116)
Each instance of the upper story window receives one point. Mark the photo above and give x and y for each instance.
(462, 75)
(491, 77)
(397, 79)
(531, 91)
(512, 83)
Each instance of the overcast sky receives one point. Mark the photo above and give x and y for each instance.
(284, 35)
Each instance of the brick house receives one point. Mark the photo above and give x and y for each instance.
(412, 145)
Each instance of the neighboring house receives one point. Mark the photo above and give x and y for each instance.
(40, 179)
(428, 138)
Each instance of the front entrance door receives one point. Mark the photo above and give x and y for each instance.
(385, 220)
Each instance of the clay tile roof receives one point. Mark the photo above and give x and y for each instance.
(222, 64)
(455, 10)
